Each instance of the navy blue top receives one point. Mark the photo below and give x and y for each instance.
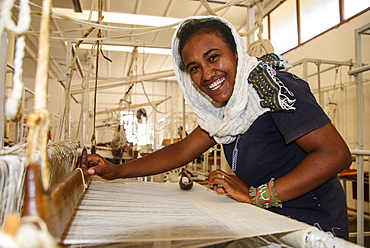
(267, 150)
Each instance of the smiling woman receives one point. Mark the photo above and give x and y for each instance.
(211, 65)
(282, 149)
(214, 55)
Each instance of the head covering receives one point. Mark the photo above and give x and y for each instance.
(222, 122)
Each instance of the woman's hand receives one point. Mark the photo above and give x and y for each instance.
(101, 167)
(231, 185)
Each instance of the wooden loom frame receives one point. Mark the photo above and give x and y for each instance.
(55, 206)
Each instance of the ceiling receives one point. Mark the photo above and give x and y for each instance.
(120, 68)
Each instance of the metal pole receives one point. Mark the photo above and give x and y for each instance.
(318, 64)
(305, 70)
(360, 142)
(3, 64)
(69, 57)
(183, 117)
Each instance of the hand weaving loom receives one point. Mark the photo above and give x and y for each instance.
(126, 213)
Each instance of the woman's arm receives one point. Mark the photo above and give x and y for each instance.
(165, 159)
(327, 154)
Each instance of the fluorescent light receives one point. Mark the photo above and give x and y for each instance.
(148, 50)
(112, 17)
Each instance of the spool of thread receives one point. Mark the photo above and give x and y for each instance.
(186, 183)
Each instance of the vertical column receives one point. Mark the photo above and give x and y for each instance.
(69, 57)
(360, 141)
(183, 117)
(318, 64)
(3, 64)
(250, 24)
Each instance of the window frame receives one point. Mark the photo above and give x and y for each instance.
(342, 20)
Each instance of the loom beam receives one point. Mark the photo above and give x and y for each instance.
(55, 206)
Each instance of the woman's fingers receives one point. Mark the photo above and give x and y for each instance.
(223, 182)
(217, 177)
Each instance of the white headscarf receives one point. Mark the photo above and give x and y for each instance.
(223, 123)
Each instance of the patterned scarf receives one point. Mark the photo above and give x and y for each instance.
(269, 88)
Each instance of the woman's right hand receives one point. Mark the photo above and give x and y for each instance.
(101, 167)
(230, 184)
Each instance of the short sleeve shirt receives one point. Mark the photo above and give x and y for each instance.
(267, 150)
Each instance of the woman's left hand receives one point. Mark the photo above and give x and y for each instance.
(225, 183)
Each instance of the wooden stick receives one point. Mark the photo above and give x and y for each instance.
(37, 133)
(43, 57)
(11, 225)
(56, 206)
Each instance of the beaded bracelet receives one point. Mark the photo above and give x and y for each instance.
(265, 196)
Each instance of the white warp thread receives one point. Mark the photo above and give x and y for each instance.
(136, 214)
(6, 22)
(62, 157)
(141, 214)
(12, 172)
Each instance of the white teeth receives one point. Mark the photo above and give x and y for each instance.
(216, 84)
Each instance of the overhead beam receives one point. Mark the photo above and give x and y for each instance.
(133, 44)
(133, 106)
(225, 2)
(126, 81)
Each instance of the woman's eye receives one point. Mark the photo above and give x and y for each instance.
(194, 68)
(213, 57)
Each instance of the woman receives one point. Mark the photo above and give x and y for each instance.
(282, 148)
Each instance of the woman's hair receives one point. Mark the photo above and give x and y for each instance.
(208, 26)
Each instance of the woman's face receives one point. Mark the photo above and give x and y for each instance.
(211, 65)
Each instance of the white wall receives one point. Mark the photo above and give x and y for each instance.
(340, 104)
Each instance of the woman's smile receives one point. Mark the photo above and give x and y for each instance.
(211, 65)
(217, 84)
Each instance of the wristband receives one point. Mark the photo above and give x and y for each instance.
(265, 196)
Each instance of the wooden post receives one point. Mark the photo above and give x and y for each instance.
(56, 206)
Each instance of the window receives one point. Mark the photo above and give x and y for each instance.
(352, 7)
(317, 16)
(283, 21)
(265, 34)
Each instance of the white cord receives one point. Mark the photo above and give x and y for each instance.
(6, 21)
(83, 178)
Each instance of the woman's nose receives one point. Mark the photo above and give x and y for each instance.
(208, 73)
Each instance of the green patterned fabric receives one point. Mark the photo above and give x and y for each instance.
(265, 196)
(273, 93)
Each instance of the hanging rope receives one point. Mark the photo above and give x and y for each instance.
(85, 84)
(332, 104)
(155, 106)
(13, 102)
(261, 46)
(98, 49)
(209, 9)
(39, 122)
(64, 120)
